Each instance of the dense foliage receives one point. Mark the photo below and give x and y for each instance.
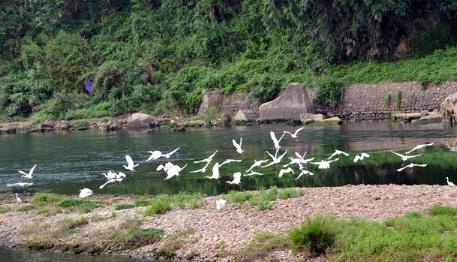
(160, 55)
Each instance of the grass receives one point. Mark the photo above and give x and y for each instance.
(130, 234)
(69, 225)
(46, 198)
(261, 245)
(163, 203)
(416, 236)
(176, 241)
(26, 208)
(4, 209)
(78, 205)
(124, 206)
(263, 198)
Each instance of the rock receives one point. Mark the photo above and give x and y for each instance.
(429, 118)
(140, 120)
(290, 104)
(448, 109)
(63, 125)
(307, 118)
(406, 117)
(48, 124)
(215, 102)
(245, 117)
(111, 125)
(211, 101)
(330, 120)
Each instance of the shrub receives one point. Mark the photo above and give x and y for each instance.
(46, 198)
(398, 100)
(158, 205)
(315, 235)
(329, 92)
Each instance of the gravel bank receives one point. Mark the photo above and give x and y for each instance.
(219, 235)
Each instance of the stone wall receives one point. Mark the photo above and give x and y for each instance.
(228, 104)
(367, 101)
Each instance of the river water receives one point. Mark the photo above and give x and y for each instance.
(69, 162)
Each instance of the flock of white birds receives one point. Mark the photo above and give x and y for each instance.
(172, 170)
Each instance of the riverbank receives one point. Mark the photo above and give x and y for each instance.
(204, 233)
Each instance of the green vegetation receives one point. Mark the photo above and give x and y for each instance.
(413, 237)
(46, 198)
(176, 241)
(261, 245)
(26, 208)
(156, 56)
(163, 203)
(123, 206)
(130, 234)
(398, 100)
(263, 198)
(387, 101)
(69, 225)
(79, 205)
(4, 209)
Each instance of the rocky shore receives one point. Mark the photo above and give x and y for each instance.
(207, 234)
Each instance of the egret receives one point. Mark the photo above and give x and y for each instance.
(130, 165)
(257, 163)
(275, 140)
(18, 199)
(324, 164)
(220, 203)
(236, 179)
(238, 145)
(337, 153)
(360, 157)
(228, 161)
(207, 161)
(112, 177)
(294, 135)
(215, 171)
(299, 160)
(304, 172)
(19, 184)
(411, 166)
(286, 171)
(253, 173)
(449, 183)
(418, 147)
(275, 159)
(174, 171)
(404, 157)
(158, 154)
(85, 192)
(28, 175)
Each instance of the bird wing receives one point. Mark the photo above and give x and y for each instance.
(402, 168)
(365, 155)
(400, 155)
(33, 169)
(333, 160)
(333, 155)
(228, 161)
(129, 160)
(235, 144)
(273, 137)
(315, 163)
(171, 153)
(287, 132)
(22, 172)
(281, 156)
(272, 157)
(281, 137)
(298, 130)
(357, 158)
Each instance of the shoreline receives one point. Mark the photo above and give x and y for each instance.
(208, 234)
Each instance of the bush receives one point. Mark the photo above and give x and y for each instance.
(329, 92)
(158, 205)
(46, 198)
(315, 235)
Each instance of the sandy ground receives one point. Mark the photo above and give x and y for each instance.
(220, 234)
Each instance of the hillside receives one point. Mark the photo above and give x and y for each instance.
(75, 59)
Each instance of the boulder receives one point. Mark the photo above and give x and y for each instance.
(63, 125)
(307, 118)
(245, 115)
(448, 109)
(429, 118)
(330, 120)
(211, 101)
(140, 120)
(290, 104)
(406, 117)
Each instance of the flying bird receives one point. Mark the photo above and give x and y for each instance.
(449, 183)
(236, 179)
(275, 159)
(174, 170)
(238, 145)
(275, 140)
(337, 153)
(228, 161)
(286, 171)
(19, 184)
(324, 164)
(215, 172)
(257, 163)
(28, 175)
(253, 173)
(360, 157)
(112, 177)
(299, 160)
(85, 192)
(207, 161)
(418, 147)
(304, 172)
(405, 157)
(130, 165)
(294, 135)
(411, 165)
(158, 154)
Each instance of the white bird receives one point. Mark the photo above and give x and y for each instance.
(236, 179)
(404, 157)
(294, 135)
(207, 161)
(275, 159)
(18, 199)
(112, 177)
(449, 183)
(85, 192)
(19, 184)
(215, 172)
(418, 147)
(337, 153)
(304, 172)
(238, 146)
(360, 157)
(158, 154)
(286, 171)
(299, 160)
(257, 163)
(411, 166)
(220, 203)
(275, 140)
(253, 173)
(228, 161)
(130, 164)
(174, 171)
(28, 175)
(324, 164)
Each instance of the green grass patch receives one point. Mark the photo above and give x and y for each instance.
(79, 205)
(4, 209)
(124, 206)
(261, 245)
(442, 211)
(130, 234)
(26, 208)
(158, 205)
(141, 203)
(315, 235)
(163, 203)
(68, 226)
(262, 199)
(46, 198)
